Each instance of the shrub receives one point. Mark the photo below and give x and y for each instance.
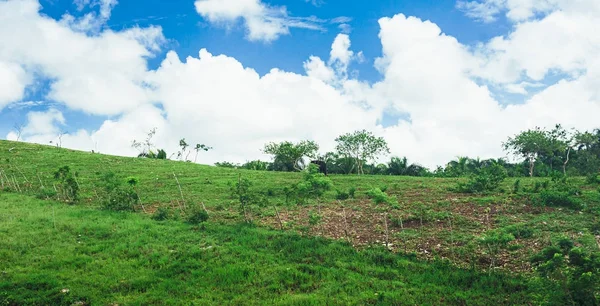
(519, 231)
(517, 186)
(161, 214)
(117, 197)
(593, 179)
(488, 179)
(351, 192)
(196, 215)
(575, 271)
(380, 197)
(45, 193)
(67, 186)
(553, 198)
(315, 184)
(384, 188)
(342, 195)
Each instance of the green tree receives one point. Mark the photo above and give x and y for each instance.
(288, 156)
(529, 145)
(361, 146)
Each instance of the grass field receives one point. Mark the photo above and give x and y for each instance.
(434, 234)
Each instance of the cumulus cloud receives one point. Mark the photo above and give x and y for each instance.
(214, 99)
(101, 74)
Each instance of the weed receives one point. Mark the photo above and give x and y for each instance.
(161, 214)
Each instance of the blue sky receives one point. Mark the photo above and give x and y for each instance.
(93, 68)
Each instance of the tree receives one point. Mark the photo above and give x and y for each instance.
(362, 146)
(200, 147)
(288, 156)
(529, 144)
(561, 143)
(398, 166)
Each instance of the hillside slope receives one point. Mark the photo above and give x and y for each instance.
(429, 220)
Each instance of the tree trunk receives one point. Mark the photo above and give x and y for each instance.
(531, 164)
(566, 162)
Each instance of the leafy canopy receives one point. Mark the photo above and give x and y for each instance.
(289, 156)
(362, 146)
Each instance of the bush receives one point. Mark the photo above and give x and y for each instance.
(351, 192)
(342, 195)
(519, 231)
(593, 179)
(196, 215)
(161, 214)
(517, 186)
(553, 198)
(117, 197)
(380, 197)
(315, 184)
(575, 271)
(45, 193)
(68, 189)
(488, 179)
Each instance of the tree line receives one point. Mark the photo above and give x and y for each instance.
(542, 152)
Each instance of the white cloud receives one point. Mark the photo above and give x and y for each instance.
(263, 22)
(100, 74)
(214, 99)
(13, 81)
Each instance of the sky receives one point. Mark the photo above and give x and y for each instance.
(437, 79)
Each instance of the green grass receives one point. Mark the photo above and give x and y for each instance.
(108, 258)
(128, 258)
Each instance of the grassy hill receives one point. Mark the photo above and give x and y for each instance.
(284, 257)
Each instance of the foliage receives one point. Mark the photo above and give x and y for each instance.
(161, 214)
(516, 186)
(555, 198)
(593, 179)
(529, 144)
(361, 145)
(257, 165)
(342, 195)
(288, 156)
(67, 186)
(495, 241)
(380, 197)
(226, 164)
(575, 270)
(196, 215)
(118, 196)
(315, 184)
(489, 179)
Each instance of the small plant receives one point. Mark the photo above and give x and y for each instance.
(315, 184)
(576, 271)
(495, 241)
(196, 215)
(380, 197)
(593, 179)
(314, 219)
(519, 231)
(246, 197)
(384, 188)
(118, 197)
(351, 192)
(488, 179)
(553, 198)
(45, 194)
(517, 186)
(161, 214)
(342, 195)
(68, 189)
